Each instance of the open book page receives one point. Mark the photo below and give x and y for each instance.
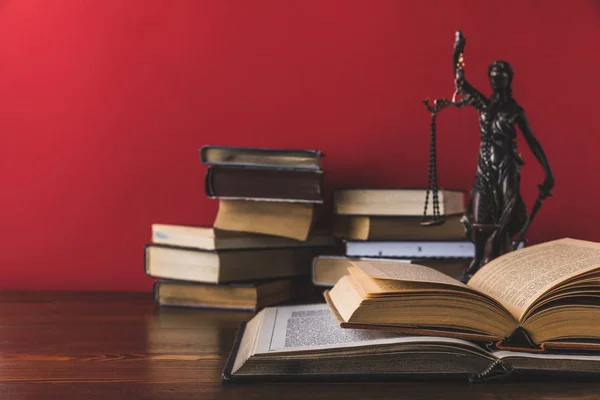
(375, 286)
(519, 278)
(506, 354)
(408, 273)
(571, 363)
(313, 326)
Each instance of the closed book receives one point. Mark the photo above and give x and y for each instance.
(223, 266)
(208, 238)
(239, 296)
(541, 297)
(305, 343)
(291, 185)
(261, 157)
(288, 220)
(411, 249)
(359, 227)
(395, 202)
(415, 249)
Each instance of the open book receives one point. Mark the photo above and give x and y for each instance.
(544, 296)
(305, 342)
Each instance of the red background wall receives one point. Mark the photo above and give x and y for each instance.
(104, 104)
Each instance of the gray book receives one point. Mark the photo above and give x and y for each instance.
(412, 249)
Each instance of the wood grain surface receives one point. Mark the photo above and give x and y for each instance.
(118, 345)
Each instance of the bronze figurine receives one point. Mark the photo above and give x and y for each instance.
(495, 212)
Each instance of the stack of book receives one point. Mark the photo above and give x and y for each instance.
(384, 224)
(266, 191)
(260, 250)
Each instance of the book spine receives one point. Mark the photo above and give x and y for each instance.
(208, 183)
(265, 184)
(312, 271)
(315, 154)
(146, 247)
(203, 150)
(519, 339)
(155, 289)
(496, 370)
(266, 199)
(227, 372)
(267, 150)
(407, 249)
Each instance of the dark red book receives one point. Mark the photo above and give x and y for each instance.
(293, 185)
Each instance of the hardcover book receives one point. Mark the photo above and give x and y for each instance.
(289, 220)
(411, 249)
(357, 227)
(261, 157)
(208, 238)
(224, 266)
(304, 342)
(241, 296)
(395, 202)
(540, 297)
(300, 186)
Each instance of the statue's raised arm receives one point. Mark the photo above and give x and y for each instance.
(458, 59)
(468, 94)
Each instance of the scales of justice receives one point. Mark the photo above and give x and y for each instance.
(496, 217)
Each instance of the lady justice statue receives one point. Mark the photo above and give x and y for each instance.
(495, 212)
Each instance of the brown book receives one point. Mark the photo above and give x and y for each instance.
(223, 266)
(293, 185)
(327, 270)
(395, 202)
(207, 238)
(547, 296)
(261, 157)
(249, 296)
(354, 227)
(290, 220)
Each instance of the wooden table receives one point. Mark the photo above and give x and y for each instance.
(118, 345)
